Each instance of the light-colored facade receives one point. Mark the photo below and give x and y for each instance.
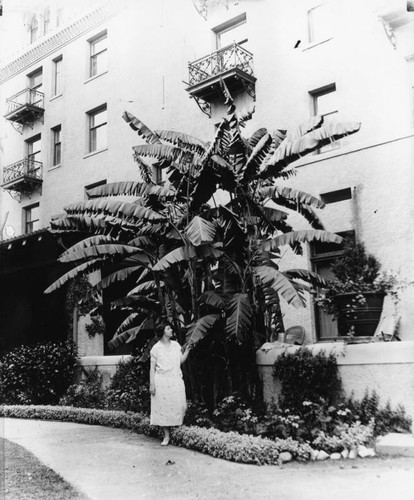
(350, 60)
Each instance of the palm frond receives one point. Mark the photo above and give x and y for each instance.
(88, 242)
(98, 251)
(277, 192)
(130, 188)
(183, 140)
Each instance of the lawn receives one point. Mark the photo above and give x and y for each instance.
(22, 475)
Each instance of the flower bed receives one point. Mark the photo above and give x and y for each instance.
(231, 446)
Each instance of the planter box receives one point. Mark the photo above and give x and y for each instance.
(361, 319)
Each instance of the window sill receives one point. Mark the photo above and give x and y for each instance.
(54, 167)
(315, 44)
(93, 153)
(55, 97)
(95, 77)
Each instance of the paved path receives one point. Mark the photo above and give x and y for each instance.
(112, 464)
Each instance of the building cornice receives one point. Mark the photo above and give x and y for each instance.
(57, 41)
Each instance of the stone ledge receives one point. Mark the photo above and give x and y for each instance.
(373, 353)
(396, 444)
(103, 360)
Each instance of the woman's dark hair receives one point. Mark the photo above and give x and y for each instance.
(160, 329)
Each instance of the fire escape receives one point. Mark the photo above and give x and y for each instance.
(25, 176)
(232, 64)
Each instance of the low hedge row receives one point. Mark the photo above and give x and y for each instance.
(227, 445)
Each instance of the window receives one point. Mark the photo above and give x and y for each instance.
(320, 23)
(59, 16)
(325, 104)
(31, 218)
(57, 76)
(322, 256)
(335, 196)
(34, 29)
(57, 145)
(233, 31)
(93, 185)
(98, 55)
(46, 21)
(98, 126)
(33, 147)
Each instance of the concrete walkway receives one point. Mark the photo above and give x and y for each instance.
(112, 464)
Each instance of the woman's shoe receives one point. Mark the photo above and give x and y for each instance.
(165, 441)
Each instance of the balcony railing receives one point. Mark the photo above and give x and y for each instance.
(22, 174)
(25, 107)
(230, 57)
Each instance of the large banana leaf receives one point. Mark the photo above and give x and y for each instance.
(88, 242)
(213, 299)
(277, 192)
(81, 224)
(256, 136)
(117, 277)
(183, 140)
(257, 156)
(141, 128)
(98, 251)
(89, 266)
(281, 284)
(131, 334)
(200, 231)
(130, 188)
(239, 318)
(120, 209)
(209, 251)
(147, 286)
(162, 152)
(174, 257)
(199, 329)
(140, 301)
(302, 237)
(311, 277)
(304, 128)
(291, 150)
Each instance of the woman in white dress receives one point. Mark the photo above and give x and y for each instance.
(168, 400)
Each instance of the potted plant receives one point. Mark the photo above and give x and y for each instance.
(356, 294)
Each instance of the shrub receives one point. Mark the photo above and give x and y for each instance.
(197, 414)
(129, 388)
(385, 419)
(307, 377)
(38, 374)
(88, 393)
(345, 437)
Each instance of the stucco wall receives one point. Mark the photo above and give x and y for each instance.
(106, 365)
(386, 367)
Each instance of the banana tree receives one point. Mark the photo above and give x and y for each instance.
(210, 266)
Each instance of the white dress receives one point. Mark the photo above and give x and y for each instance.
(168, 405)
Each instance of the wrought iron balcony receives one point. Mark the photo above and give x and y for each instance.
(25, 107)
(23, 177)
(232, 64)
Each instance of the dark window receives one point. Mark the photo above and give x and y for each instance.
(57, 145)
(93, 185)
(322, 256)
(31, 218)
(335, 196)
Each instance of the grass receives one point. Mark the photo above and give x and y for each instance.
(22, 475)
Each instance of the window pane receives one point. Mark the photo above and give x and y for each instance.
(99, 118)
(327, 103)
(320, 23)
(99, 63)
(99, 45)
(35, 79)
(236, 34)
(58, 67)
(57, 157)
(101, 138)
